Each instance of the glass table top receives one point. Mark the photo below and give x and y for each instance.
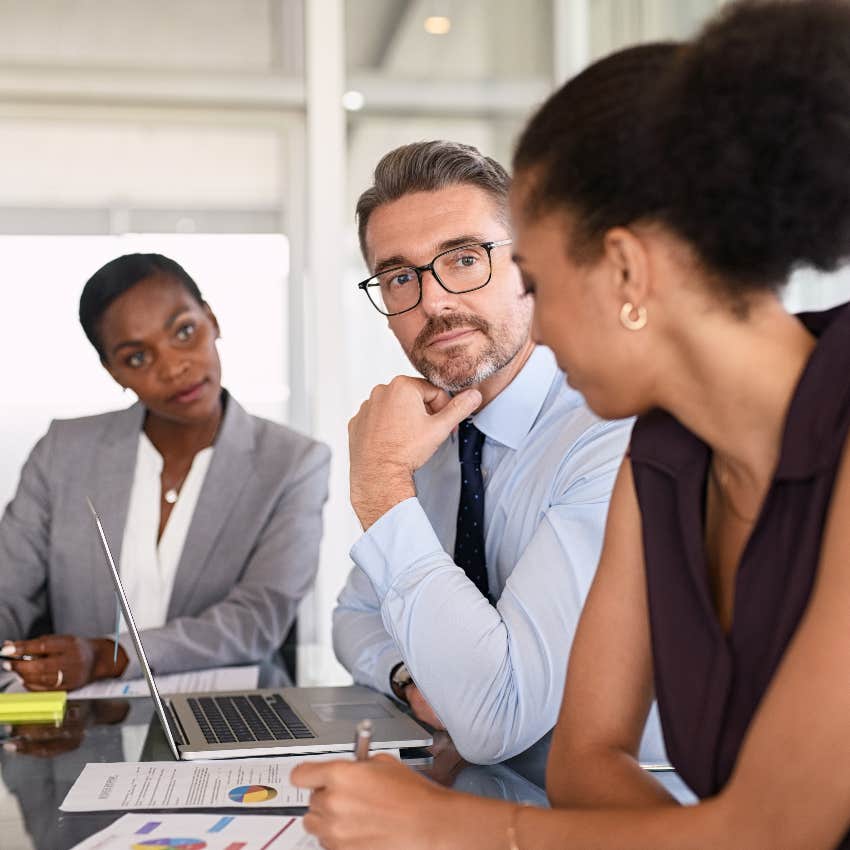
(46, 761)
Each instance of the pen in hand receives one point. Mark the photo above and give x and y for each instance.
(363, 740)
(9, 653)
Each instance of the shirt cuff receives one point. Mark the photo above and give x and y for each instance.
(133, 670)
(402, 538)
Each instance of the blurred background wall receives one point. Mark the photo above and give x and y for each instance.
(235, 136)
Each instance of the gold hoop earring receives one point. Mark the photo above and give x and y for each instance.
(626, 319)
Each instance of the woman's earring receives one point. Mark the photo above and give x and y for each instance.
(628, 321)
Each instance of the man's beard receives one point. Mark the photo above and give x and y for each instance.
(460, 370)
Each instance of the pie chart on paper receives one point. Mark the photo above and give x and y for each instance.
(252, 794)
(170, 844)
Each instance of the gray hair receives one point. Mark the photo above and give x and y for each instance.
(428, 167)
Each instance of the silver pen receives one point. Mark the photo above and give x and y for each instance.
(362, 740)
(8, 652)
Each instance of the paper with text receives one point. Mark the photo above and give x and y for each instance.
(235, 783)
(202, 832)
(213, 680)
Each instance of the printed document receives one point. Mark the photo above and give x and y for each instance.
(193, 681)
(202, 832)
(233, 783)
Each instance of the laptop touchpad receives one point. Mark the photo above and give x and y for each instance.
(328, 712)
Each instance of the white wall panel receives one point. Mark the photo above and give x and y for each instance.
(68, 163)
(165, 34)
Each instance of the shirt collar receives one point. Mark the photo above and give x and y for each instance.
(148, 453)
(510, 415)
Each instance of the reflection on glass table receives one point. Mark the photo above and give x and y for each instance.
(41, 764)
(448, 768)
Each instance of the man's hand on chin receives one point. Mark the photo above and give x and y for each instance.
(394, 433)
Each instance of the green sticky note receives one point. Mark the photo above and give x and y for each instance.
(33, 707)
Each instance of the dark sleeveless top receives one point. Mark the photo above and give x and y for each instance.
(709, 685)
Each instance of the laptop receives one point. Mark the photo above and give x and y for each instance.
(277, 721)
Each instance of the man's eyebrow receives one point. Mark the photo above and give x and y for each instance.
(390, 263)
(460, 241)
(455, 242)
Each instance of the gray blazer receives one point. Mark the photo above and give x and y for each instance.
(251, 552)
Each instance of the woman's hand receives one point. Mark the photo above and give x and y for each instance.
(374, 805)
(64, 662)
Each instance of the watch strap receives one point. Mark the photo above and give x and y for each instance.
(400, 678)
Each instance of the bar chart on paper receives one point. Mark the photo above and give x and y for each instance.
(202, 832)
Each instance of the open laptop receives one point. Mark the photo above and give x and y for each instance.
(279, 721)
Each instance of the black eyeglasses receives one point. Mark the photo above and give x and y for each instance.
(457, 270)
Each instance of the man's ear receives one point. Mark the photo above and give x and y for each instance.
(628, 260)
(213, 319)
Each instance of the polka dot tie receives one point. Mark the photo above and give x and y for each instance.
(469, 541)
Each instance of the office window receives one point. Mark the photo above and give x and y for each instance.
(52, 371)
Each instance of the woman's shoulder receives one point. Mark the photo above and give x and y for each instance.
(70, 447)
(94, 427)
(276, 444)
(818, 419)
(275, 436)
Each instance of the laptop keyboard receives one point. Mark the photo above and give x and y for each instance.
(237, 719)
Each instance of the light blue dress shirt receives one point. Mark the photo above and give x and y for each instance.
(493, 675)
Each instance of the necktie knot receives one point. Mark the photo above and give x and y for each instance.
(470, 443)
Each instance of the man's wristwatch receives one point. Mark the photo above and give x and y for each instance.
(400, 678)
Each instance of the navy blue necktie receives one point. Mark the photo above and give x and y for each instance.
(469, 541)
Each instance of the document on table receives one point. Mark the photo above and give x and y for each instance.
(232, 783)
(193, 681)
(202, 832)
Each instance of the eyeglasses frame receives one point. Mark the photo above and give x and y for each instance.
(429, 267)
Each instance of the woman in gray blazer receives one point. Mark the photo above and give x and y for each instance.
(216, 514)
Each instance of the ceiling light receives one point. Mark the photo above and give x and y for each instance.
(353, 101)
(438, 25)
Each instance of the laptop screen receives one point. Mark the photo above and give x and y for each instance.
(159, 706)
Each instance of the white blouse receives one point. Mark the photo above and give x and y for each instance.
(148, 568)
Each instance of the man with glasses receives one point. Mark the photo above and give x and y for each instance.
(482, 487)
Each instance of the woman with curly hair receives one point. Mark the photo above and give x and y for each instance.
(661, 200)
